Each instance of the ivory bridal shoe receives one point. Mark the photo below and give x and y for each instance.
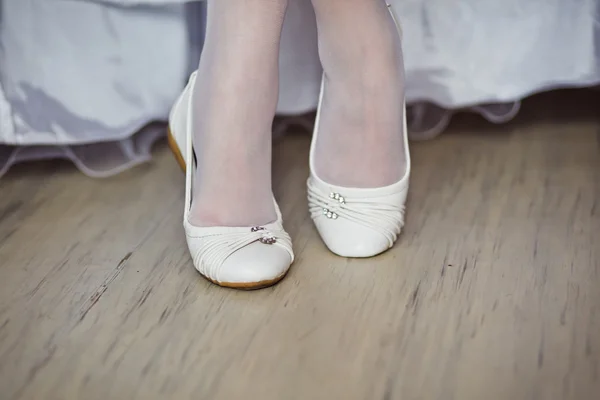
(249, 257)
(356, 222)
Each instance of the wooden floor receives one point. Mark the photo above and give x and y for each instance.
(492, 292)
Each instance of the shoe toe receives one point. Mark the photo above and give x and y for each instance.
(254, 266)
(349, 239)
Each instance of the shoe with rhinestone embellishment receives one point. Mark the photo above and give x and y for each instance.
(234, 257)
(357, 222)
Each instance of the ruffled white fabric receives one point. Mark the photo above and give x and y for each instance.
(80, 79)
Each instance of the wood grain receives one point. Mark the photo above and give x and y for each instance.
(493, 291)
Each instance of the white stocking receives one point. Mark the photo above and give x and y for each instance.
(360, 137)
(236, 96)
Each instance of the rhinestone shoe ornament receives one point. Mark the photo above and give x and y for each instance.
(330, 214)
(338, 197)
(267, 237)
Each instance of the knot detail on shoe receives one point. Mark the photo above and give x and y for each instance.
(211, 246)
(383, 214)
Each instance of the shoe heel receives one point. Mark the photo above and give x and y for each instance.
(175, 149)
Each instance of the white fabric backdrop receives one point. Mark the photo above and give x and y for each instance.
(80, 78)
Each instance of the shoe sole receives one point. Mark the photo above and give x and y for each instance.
(231, 285)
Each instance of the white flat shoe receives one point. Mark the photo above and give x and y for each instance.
(234, 257)
(356, 222)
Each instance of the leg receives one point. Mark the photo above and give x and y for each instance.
(360, 141)
(236, 97)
